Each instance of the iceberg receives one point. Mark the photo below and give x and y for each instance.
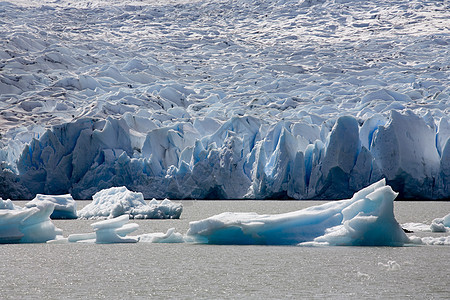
(367, 219)
(27, 225)
(109, 231)
(114, 230)
(441, 224)
(117, 201)
(64, 205)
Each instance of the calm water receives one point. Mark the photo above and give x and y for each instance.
(188, 271)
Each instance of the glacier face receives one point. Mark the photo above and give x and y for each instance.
(244, 158)
(212, 99)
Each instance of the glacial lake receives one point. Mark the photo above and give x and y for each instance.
(192, 271)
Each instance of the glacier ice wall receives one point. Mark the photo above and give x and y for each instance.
(244, 158)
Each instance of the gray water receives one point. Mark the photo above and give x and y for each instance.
(189, 271)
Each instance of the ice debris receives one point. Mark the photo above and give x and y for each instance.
(117, 201)
(106, 232)
(366, 219)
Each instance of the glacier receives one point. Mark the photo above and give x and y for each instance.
(243, 159)
(266, 99)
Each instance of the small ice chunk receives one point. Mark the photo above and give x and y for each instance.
(107, 231)
(441, 224)
(169, 237)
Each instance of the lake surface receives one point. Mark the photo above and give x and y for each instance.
(190, 271)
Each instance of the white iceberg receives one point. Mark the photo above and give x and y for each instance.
(65, 206)
(117, 201)
(441, 224)
(367, 219)
(109, 231)
(7, 204)
(27, 225)
(114, 231)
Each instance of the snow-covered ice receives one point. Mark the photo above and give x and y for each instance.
(64, 205)
(229, 100)
(117, 201)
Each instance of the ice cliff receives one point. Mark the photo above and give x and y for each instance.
(244, 158)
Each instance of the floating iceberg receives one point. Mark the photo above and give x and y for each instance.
(114, 202)
(106, 232)
(441, 224)
(65, 207)
(114, 230)
(27, 225)
(367, 219)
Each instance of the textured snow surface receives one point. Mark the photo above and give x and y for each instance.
(118, 201)
(229, 100)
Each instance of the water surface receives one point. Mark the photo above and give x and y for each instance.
(192, 271)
